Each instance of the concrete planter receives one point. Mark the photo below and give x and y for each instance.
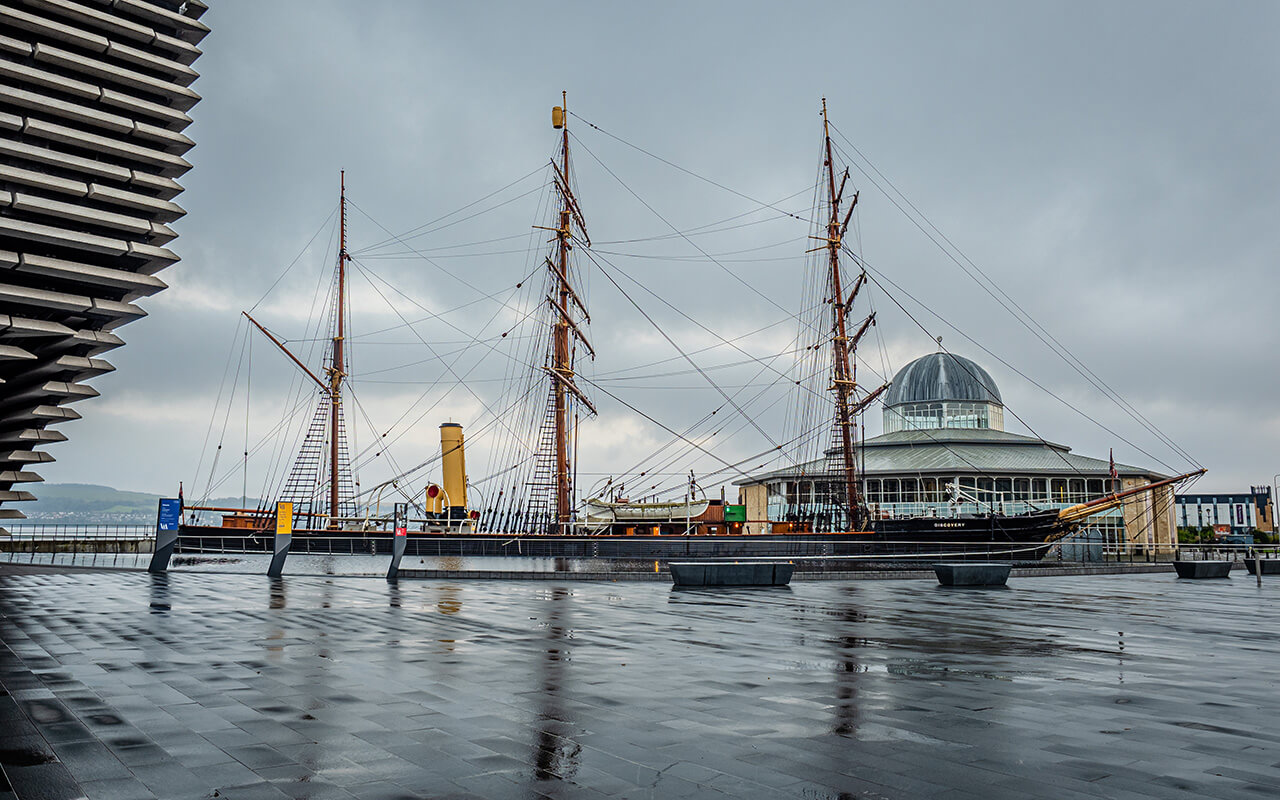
(972, 574)
(1203, 569)
(1270, 566)
(728, 573)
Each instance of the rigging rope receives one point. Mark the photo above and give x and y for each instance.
(1001, 297)
(414, 231)
(691, 173)
(692, 243)
(295, 260)
(877, 280)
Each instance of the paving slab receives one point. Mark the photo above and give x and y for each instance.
(119, 684)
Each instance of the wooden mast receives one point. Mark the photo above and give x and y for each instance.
(337, 370)
(563, 388)
(334, 374)
(560, 362)
(844, 380)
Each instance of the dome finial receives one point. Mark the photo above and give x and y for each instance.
(939, 338)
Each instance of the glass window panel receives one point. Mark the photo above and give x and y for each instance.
(931, 492)
(910, 490)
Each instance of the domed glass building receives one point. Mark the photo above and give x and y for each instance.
(942, 391)
(945, 451)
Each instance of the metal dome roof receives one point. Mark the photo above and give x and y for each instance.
(942, 376)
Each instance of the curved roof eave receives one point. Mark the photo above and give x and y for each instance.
(978, 460)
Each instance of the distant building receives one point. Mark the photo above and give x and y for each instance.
(944, 424)
(93, 101)
(1228, 513)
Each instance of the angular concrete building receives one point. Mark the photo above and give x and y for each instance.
(94, 96)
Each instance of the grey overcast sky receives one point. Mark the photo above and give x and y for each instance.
(1112, 166)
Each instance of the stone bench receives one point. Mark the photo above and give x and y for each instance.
(729, 573)
(1270, 566)
(1203, 569)
(972, 574)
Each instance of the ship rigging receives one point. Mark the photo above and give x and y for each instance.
(535, 426)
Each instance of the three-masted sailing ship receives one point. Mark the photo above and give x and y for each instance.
(541, 514)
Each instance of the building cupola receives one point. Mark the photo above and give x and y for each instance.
(942, 390)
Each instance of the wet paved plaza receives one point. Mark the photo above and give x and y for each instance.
(125, 685)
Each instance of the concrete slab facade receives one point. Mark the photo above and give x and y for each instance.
(93, 101)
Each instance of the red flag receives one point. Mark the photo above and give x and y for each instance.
(1114, 474)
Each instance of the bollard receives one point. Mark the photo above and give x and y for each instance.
(166, 533)
(283, 538)
(400, 540)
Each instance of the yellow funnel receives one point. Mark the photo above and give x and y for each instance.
(455, 467)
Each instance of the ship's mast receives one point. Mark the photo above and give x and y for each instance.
(844, 379)
(337, 371)
(303, 485)
(563, 387)
(560, 342)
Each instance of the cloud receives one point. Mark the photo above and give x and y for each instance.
(1124, 199)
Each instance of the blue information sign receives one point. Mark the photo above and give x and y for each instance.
(170, 511)
(166, 533)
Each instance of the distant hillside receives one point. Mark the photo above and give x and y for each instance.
(90, 503)
(86, 497)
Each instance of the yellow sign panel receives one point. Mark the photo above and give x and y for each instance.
(284, 518)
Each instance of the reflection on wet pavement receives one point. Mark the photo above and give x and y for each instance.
(304, 563)
(180, 685)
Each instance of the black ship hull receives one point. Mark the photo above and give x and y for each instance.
(1021, 538)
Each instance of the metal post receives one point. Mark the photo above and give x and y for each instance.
(400, 540)
(283, 538)
(166, 533)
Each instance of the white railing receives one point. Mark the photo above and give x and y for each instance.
(56, 531)
(782, 511)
